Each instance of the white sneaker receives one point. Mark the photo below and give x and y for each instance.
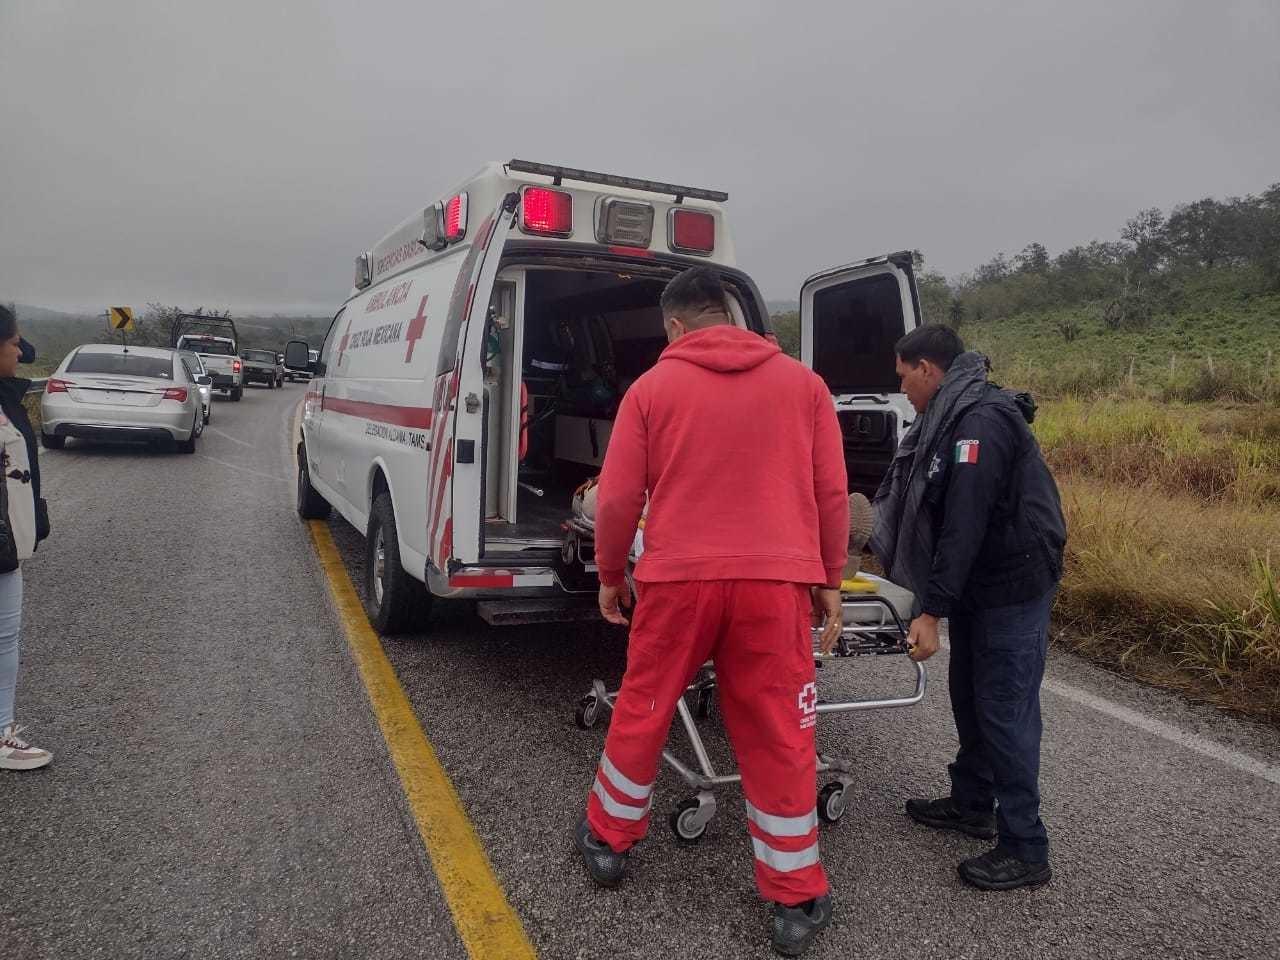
(17, 754)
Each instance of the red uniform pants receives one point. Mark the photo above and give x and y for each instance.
(757, 633)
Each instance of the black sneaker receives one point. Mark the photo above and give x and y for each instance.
(1000, 870)
(795, 928)
(606, 867)
(941, 814)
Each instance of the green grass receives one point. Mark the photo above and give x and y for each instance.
(1208, 349)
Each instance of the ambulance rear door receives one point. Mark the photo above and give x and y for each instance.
(850, 319)
(456, 487)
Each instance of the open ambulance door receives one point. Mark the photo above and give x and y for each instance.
(850, 319)
(456, 486)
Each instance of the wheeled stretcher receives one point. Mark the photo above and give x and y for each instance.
(872, 627)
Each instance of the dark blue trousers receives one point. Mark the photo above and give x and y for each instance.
(997, 663)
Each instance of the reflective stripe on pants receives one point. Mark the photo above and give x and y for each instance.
(757, 633)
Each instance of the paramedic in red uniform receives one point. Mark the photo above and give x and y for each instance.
(738, 448)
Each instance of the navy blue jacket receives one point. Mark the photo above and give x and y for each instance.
(997, 517)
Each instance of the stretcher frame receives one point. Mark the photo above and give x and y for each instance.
(872, 627)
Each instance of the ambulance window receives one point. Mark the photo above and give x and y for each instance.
(326, 351)
(855, 326)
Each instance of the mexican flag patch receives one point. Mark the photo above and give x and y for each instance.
(967, 451)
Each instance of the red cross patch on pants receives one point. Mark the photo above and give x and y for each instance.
(757, 633)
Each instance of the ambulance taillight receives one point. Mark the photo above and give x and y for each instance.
(692, 231)
(546, 212)
(455, 218)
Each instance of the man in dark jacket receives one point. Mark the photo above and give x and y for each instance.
(970, 520)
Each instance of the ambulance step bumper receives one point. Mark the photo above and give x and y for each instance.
(516, 612)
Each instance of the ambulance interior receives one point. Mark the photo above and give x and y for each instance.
(584, 338)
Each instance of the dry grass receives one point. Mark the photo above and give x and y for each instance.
(1174, 529)
(1213, 454)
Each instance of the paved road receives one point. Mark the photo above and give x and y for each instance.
(221, 789)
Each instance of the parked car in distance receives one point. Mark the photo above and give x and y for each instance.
(262, 366)
(204, 382)
(110, 392)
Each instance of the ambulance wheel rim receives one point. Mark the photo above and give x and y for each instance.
(379, 566)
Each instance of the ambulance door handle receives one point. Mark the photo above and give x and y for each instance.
(472, 402)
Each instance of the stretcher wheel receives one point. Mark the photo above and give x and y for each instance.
(831, 802)
(587, 712)
(685, 822)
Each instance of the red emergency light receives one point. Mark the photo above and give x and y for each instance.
(235, 366)
(692, 231)
(547, 212)
(455, 218)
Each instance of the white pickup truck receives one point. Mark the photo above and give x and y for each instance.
(220, 353)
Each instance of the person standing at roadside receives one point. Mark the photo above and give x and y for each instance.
(26, 523)
(969, 519)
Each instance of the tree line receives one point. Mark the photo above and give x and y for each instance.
(1147, 271)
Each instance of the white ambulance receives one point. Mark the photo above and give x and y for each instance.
(468, 385)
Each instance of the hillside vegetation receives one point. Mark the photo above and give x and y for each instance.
(55, 334)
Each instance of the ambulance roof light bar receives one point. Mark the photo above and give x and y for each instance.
(608, 179)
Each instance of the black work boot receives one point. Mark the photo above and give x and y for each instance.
(942, 814)
(795, 928)
(999, 869)
(606, 867)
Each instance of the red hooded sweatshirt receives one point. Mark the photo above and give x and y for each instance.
(740, 451)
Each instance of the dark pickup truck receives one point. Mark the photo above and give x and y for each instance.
(263, 366)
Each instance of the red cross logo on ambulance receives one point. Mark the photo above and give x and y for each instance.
(342, 344)
(417, 327)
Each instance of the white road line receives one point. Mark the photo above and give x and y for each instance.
(1166, 731)
(235, 466)
(227, 436)
(1157, 728)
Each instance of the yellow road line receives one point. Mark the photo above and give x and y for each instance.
(487, 924)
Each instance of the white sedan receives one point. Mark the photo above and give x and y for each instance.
(108, 392)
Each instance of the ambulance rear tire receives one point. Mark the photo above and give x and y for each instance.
(237, 393)
(311, 505)
(685, 822)
(831, 802)
(395, 602)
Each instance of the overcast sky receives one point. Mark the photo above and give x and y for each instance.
(240, 154)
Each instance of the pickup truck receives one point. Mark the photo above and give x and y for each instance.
(220, 352)
(220, 360)
(263, 366)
